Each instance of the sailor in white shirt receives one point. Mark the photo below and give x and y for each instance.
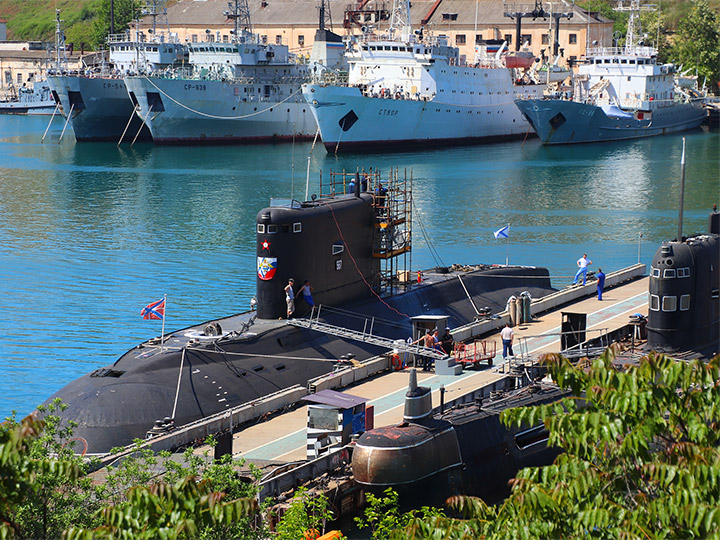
(583, 262)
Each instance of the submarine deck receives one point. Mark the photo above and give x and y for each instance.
(282, 438)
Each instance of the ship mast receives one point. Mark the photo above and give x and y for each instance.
(240, 13)
(400, 20)
(325, 16)
(155, 9)
(60, 51)
(634, 27)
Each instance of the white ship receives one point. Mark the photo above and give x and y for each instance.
(244, 91)
(403, 90)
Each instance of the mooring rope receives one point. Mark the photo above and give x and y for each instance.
(200, 113)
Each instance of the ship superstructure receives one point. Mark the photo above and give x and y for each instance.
(406, 88)
(618, 93)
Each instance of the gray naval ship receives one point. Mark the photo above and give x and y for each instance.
(243, 91)
(618, 93)
(95, 100)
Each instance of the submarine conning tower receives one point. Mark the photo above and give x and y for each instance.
(327, 241)
(684, 294)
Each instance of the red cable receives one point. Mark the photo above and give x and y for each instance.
(356, 265)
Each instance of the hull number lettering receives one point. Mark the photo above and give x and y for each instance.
(190, 86)
(388, 112)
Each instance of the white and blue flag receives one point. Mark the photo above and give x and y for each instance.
(502, 233)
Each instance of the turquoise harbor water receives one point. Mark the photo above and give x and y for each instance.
(91, 233)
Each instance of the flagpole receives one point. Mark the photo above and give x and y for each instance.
(507, 248)
(162, 335)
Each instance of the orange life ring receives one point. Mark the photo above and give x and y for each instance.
(395, 361)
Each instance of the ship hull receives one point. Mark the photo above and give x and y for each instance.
(101, 108)
(349, 120)
(184, 111)
(121, 402)
(564, 122)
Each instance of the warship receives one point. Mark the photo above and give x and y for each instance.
(353, 243)
(238, 92)
(95, 101)
(408, 88)
(618, 93)
(464, 450)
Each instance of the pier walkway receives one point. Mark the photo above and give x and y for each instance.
(282, 439)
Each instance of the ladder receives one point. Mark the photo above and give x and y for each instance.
(313, 323)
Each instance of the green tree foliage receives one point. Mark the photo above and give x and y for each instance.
(382, 515)
(640, 459)
(696, 45)
(167, 511)
(306, 515)
(126, 11)
(28, 477)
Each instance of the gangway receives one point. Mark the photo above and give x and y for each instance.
(366, 336)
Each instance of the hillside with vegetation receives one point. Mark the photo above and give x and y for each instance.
(84, 21)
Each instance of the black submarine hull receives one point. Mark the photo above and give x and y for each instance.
(199, 371)
(466, 451)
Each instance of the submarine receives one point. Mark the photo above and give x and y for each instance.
(463, 451)
(684, 294)
(352, 242)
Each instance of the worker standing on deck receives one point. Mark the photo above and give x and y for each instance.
(290, 297)
(507, 334)
(583, 262)
(447, 342)
(600, 283)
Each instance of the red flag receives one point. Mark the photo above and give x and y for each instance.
(154, 310)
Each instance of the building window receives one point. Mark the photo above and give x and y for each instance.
(460, 39)
(19, 78)
(263, 38)
(508, 38)
(573, 39)
(8, 77)
(278, 39)
(301, 40)
(669, 303)
(654, 302)
(478, 39)
(211, 38)
(685, 302)
(545, 39)
(226, 38)
(193, 38)
(526, 39)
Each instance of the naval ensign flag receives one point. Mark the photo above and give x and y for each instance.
(504, 233)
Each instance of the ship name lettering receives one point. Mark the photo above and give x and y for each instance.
(388, 112)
